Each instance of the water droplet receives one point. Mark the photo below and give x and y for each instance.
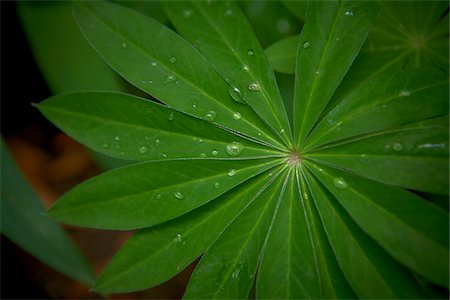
(124, 46)
(203, 155)
(232, 172)
(305, 195)
(254, 87)
(397, 147)
(259, 133)
(147, 81)
(170, 117)
(214, 152)
(431, 146)
(105, 145)
(228, 13)
(234, 149)
(246, 68)
(250, 52)
(211, 115)
(157, 142)
(187, 13)
(143, 149)
(216, 185)
(158, 196)
(320, 170)
(237, 116)
(404, 93)
(282, 131)
(169, 79)
(178, 195)
(236, 94)
(348, 12)
(200, 140)
(194, 106)
(306, 44)
(173, 59)
(163, 155)
(236, 273)
(154, 63)
(317, 72)
(178, 238)
(340, 183)
(117, 138)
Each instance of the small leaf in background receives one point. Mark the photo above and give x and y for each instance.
(282, 54)
(23, 221)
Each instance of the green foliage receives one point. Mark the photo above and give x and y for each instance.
(321, 209)
(23, 221)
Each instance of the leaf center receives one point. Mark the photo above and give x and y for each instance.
(294, 158)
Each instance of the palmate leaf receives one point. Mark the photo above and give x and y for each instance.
(324, 213)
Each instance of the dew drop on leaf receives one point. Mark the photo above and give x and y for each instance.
(169, 79)
(228, 13)
(237, 116)
(431, 146)
(157, 142)
(178, 195)
(154, 63)
(397, 147)
(234, 149)
(232, 172)
(173, 59)
(143, 149)
(194, 106)
(163, 155)
(200, 140)
(147, 81)
(158, 196)
(306, 44)
(216, 185)
(254, 87)
(214, 152)
(404, 93)
(105, 145)
(170, 117)
(236, 94)
(250, 52)
(211, 115)
(246, 68)
(340, 183)
(349, 13)
(117, 138)
(178, 238)
(203, 155)
(124, 45)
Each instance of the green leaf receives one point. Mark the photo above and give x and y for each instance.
(151, 193)
(371, 272)
(23, 221)
(183, 240)
(282, 54)
(393, 42)
(134, 128)
(404, 224)
(297, 7)
(61, 52)
(211, 26)
(396, 99)
(330, 40)
(165, 66)
(227, 270)
(298, 260)
(411, 157)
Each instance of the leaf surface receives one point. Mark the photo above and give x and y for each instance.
(371, 272)
(412, 157)
(212, 27)
(183, 240)
(298, 262)
(330, 40)
(396, 99)
(151, 193)
(129, 127)
(23, 222)
(227, 270)
(159, 62)
(282, 54)
(404, 224)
